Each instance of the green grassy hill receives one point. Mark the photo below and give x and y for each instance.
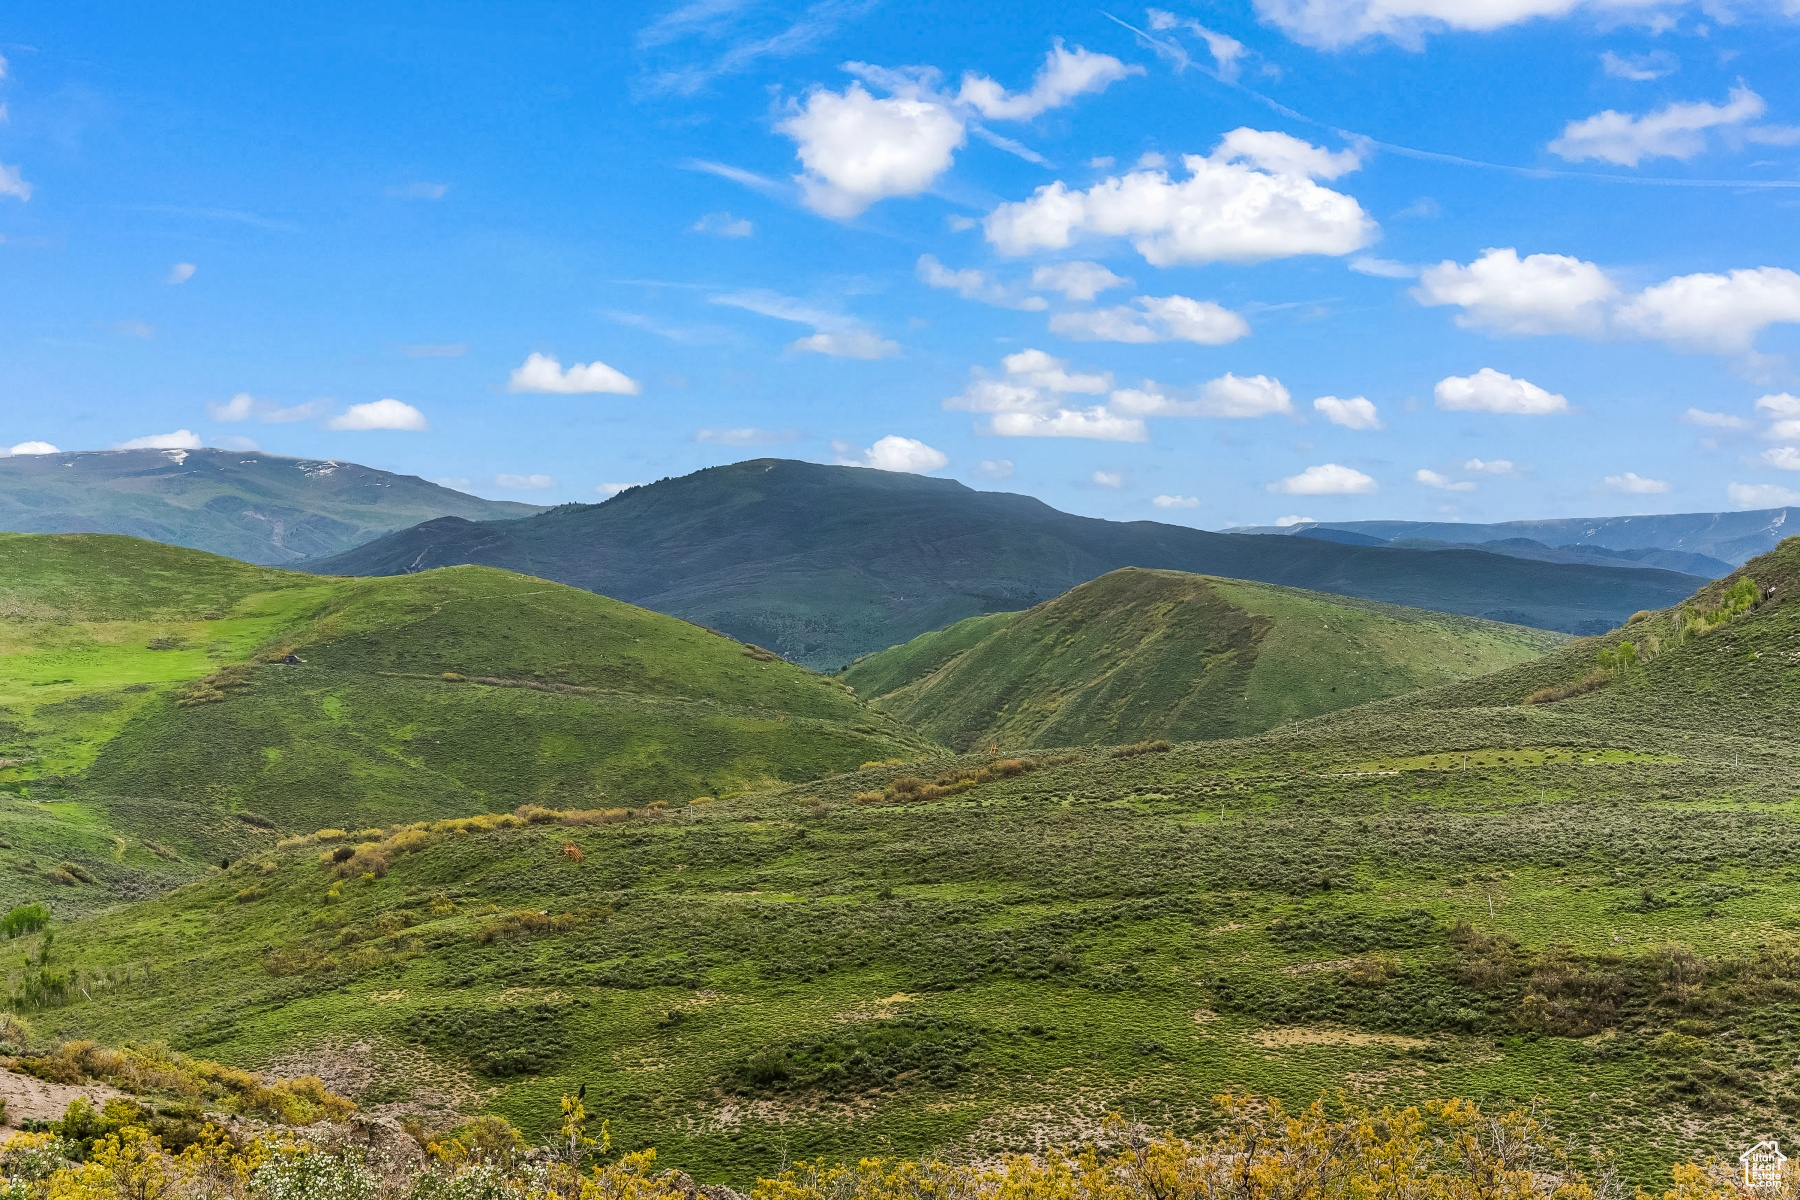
(827, 563)
(260, 508)
(1594, 908)
(1137, 655)
(144, 728)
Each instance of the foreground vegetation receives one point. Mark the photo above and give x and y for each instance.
(1442, 1150)
(162, 709)
(1138, 655)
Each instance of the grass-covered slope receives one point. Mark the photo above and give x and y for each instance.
(1137, 655)
(144, 724)
(1590, 909)
(828, 563)
(261, 508)
(1728, 658)
(1601, 926)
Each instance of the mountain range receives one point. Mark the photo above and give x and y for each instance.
(824, 563)
(1730, 537)
(255, 507)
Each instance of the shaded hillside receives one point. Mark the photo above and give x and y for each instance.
(1138, 655)
(140, 696)
(1733, 537)
(260, 508)
(828, 563)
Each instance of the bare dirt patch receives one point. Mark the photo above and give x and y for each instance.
(387, 1080)
(1299, 1036)
(28, 1098)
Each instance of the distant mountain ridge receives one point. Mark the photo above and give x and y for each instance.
(1730, 537)
(825, 564)
(255, 507)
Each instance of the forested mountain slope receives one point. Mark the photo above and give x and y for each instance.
(828, 563)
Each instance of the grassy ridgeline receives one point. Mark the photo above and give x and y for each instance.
(1588, 904)
(1138, 654)
(146, 722)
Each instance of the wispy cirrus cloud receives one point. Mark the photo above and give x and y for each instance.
(835, 335)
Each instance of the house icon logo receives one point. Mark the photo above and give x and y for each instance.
(1762, 1165)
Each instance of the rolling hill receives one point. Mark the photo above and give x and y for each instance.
(1586, 905)
(256, 507)
(1137, 655)
(162, 707)
(825, 564)
(1733, 537)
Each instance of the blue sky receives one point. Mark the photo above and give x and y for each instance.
(1215, 263)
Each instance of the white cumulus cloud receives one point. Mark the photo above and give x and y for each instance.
(1491, 391)
(1492, 466)
(1290, 522)
(1357, 412)
(1109, 479)
(1065, 75)
(1156, 319)
(1541, 293)
(1233, 397)
(1783, 458)
(181, 439)
(1712, 313)
(973, 284)
(31, 448)
(1761, 495)
(1077, 281)
(180, 273)
(858, 148)
(524, 483)
(1633, 484)
(1432, 479)
(1783, 411)
(1095, 423)
(1327, 479)
(851, 343)
(1176, 502)
(1712, 420)
(1035, 396)
(895, 453)
(543, 373)
(12, 183)
(1335, 23)
(994, 468)
(380, 414)
(1673, 131)
(613, 489)
(1254, 198)
(238, 408)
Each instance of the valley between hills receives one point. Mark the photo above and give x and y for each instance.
(463, 841)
